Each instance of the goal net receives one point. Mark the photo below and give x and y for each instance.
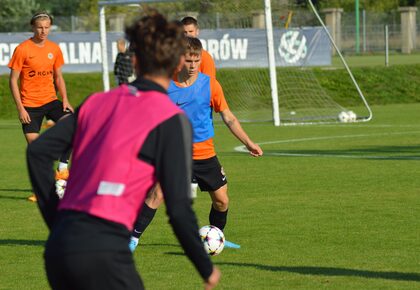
(275, 60)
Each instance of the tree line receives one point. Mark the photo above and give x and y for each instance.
(13, 11)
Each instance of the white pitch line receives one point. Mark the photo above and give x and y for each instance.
(243, 149)
(343, 156)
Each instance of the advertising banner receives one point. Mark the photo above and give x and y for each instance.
(229, 48)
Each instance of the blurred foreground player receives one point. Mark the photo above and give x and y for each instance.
(124, 141)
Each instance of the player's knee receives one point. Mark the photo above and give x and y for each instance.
(155, 198)
(221, 203)
(154, 203)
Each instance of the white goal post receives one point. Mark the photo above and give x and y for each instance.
(272, 61)
(268, 88)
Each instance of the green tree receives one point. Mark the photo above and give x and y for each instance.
(371, 5)
(61, 7)
(15, 14)
(409, 3)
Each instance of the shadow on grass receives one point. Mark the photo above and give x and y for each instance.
(330, 271)
(27, 192)
(372, 153)
(175, 253)
(380, 153)
(11, 242)
(159, 245)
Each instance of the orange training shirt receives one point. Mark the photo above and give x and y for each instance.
(207, 65)
(36, 65)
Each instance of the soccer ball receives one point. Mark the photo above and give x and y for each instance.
(343, 117)
(213, 240)
(352, 116)
(60, 187)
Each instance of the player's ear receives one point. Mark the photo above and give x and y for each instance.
(181, 64)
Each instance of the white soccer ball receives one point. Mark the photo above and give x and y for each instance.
(343, 117)
(213, 240)
(60, 187)
(352, 116)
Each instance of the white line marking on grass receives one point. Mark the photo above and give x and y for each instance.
(343, 156)
(243, 149)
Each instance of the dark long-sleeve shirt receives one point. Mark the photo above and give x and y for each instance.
(123, 68)
(73, 231)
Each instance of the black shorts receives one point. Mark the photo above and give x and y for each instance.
(88, 252)
(52, 110)
(209, 174)
(93, 270)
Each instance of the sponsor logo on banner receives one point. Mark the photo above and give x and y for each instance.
(293, 46)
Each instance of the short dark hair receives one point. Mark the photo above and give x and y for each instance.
(194, 46)
(157, 44)
(41, 15)
(189, 20)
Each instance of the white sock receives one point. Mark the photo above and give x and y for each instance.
(62, 166)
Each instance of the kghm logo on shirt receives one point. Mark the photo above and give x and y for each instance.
(44, 73)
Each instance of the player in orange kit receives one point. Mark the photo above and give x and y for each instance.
(35, 71)
(191, 29)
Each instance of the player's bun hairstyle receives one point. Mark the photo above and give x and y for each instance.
(194, 46)
(189, 20)
(41, 15)
(157, 44)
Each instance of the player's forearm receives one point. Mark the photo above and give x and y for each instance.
(61, 87)
(235, 127)
(173, 170)
(185, 227)
(42, 179)
(14, 89)
(41, 155)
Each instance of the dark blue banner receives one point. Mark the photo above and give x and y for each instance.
(229, 48)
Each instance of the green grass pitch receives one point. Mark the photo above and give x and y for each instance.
(326, 207)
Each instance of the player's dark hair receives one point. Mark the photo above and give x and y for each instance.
(194, 46)
(157, 44)
(189, 20)
(179, 23)
(41, 15)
